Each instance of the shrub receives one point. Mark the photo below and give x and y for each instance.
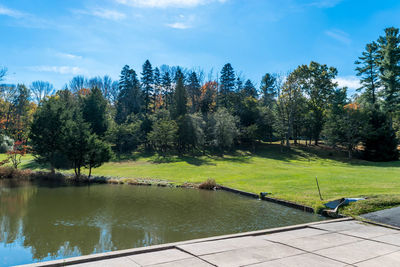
(210, 184)
(9, 172)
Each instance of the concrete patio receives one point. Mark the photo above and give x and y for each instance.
(340, 242)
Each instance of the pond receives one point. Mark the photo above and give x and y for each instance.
(40, 222)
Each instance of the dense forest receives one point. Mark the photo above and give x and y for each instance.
(173, 110)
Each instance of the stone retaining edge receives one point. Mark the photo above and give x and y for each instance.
(270, 199)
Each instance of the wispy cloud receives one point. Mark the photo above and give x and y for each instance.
(182, 22)
(103, 13)
(10, 12)
(108, 14)
(339, 35)
(351, 82)
(168, 3)
(178, 25)
(59, 69)
(69, 56)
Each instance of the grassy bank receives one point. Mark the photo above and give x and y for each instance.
(288, 175)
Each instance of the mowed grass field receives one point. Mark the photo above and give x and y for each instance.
(289, 174)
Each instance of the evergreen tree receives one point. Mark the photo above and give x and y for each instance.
(268, 89)
(98, 153)
(95, 112)
(249, 90)
(368, 70)
(76, 141)
(47, 130)
(147, 85)
(227, 85)
(180, 108)
(194, 91)
(239, 84)
(345, 123)
(157, 99)
(129, 98)
(389, 49)
(380, 143)
(167, 89)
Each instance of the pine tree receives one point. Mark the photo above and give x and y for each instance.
(180, 99)
(129, 99)
(194, 91)
(147, 85)
(368, 70)
(249, 90)
(94, 111)
(268, 88)
(157, 99)
(389, 49)
(227, 85)
(167, 88)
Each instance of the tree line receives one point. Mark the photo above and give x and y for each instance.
(177, 110)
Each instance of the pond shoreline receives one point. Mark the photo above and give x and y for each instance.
(71, 179)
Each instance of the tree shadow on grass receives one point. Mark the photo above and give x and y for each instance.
(192, 160)
(34, 165)
(311, 153)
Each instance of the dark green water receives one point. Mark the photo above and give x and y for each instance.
(45, 222)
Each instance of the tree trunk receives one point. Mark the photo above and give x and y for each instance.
(90, 170)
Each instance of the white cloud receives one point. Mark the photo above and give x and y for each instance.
(168, 3)
(108, 14)
(102, 13)
(69, 56)
(10, 12)
(339, 35)
(179, 25)
(351, 82)
(58, 69)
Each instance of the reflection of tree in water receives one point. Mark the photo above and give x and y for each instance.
(62, 222)
(13, 207)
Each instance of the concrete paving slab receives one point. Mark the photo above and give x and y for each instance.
(338, 226)
(369, 231)
(358, 251)
(303, 260)
(233, 258)
(319, 242)
(204, 248)
(244, 256)
(390, 239)
(389, 260)
(283, 236)
(157, 257)
(192, 262)
(388, 216)
(118, 262)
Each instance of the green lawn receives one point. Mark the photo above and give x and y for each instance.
(288, 175)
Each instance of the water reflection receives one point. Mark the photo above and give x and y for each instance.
(50, 222)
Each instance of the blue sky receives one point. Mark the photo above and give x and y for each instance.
(54, 40)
